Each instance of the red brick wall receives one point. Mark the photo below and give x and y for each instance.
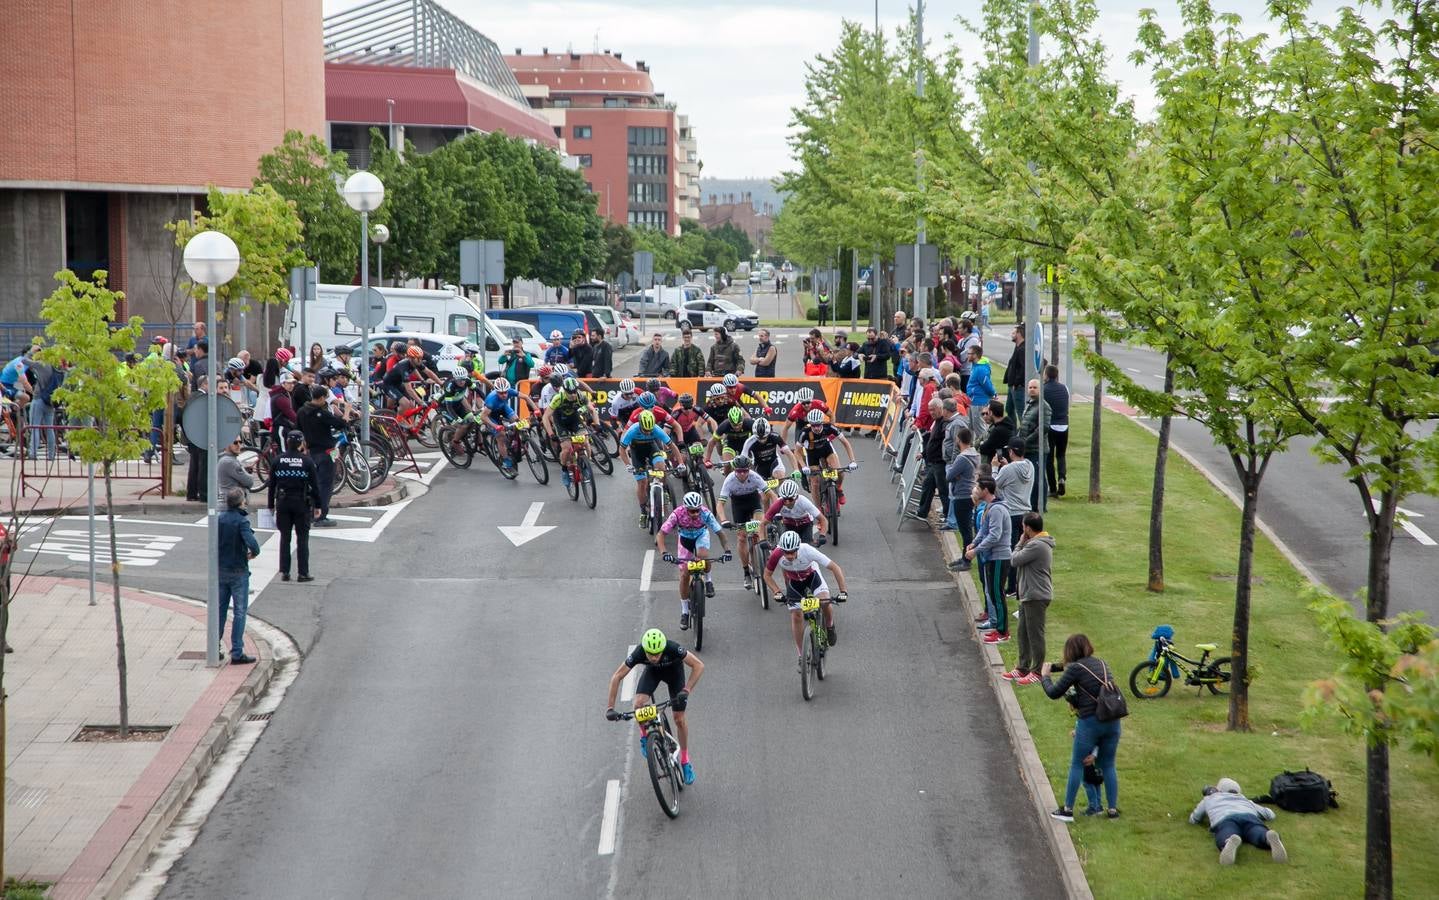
(609, 146)
(155, 92)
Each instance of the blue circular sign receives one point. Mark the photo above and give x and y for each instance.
(991, 286)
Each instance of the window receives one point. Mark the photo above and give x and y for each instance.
(562, 102)
(343, 325)
(583, 132)
(415, 323)
(649, 137)
(612, 102)
(649, 192)
(586, 160)
(647, 164)
(465, 326)
(649, 219)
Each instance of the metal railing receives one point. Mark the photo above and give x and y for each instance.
(51, 459)
(16, 337)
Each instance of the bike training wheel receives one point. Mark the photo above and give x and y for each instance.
(573, 488)
(1150, 679)
(662, 773)
(806, 687)
(697, 608)
(1220, 668)
(587, 483)
(461, 458)
(536, 459)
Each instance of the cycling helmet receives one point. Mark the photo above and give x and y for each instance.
(627, 386)
(556, 379)
(654, 642)
(414, 352)
(343, 350)
(283, 355)
(815, 417)
(716, 390)
(789, 541)
(556, 336)
(502, 385)
(653, 385)
(687, 400)
(647, 420)
(731, 380)
(693, 500)
(461, 380)
(235, 363)
(572, 386)
(742, 463)
(804, 395)
(788, 490)
(470, 347)
(561, 369)
(736, 415)
(647, 400)
(967, 315)
(760, 428)
(325, 374)
(544, 372)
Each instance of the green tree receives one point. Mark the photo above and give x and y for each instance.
(490, 175)
(114, 399)
(302, 170)
(569, 230)
(419, 209)
(743, 247)
(619, 244)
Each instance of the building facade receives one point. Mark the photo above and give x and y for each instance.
(635, 151)
(121, 115)
(739, 211)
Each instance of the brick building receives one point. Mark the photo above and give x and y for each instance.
(636, 152)
(120, 114)
(739, 211)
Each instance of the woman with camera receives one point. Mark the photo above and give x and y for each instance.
(1083, 680)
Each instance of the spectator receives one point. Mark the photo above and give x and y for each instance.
(557, 351)
(1057, 430)
(725, 356)
(765, 356)
(200, 365)
(1015, 480)
(999, 431)
(968, 343)
(928, 383)
(961, 470)
(816, 355)
(1014, 376)
(845, 363)
(1029, 433)
(317, 357)
(877, 352)
(196, 337)
(932, 452)
(45, 379)
(1032, 560)
(654, 360)
(294, 497)
(822, 303)
(237, 547)
(991, 546)
(688, 361)
(230, 472)
(979, 387)
(515, 362)
(1084, 676)
(253, 369)
(603, 364)
(952, 422)
(1234, 820)
(582, 355)
(282, 409)
(318, 426)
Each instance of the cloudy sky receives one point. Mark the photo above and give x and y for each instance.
(737, 66)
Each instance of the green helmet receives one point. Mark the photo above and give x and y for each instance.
(654, 642)
(736, 415)
(647, 420)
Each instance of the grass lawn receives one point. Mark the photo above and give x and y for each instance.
(24, 890)
(1173, 746)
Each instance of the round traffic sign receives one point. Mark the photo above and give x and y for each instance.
(365, 310)
(195, 420)
(991, 287)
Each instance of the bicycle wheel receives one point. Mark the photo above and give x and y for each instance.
(535, 456)
(1219, 669)
(697, 608)
(357, 474)
(382, 457)
(1150, 679)
(761, 587)
(572, 482)
(587, 483)
(551, 448)
(459, 458)
(656, 508)
(662, 773)
(249, 459)
(497, 457)
(816, 631)
(609, 442)
(601, 459)
(832, 501)
(424, 429)
(806, 663)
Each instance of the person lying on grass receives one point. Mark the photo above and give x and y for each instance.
(1234, 819)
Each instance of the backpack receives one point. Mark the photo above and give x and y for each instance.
(1109, 706)
(1301, 792)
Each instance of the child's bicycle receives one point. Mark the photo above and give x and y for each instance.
(1152, 678)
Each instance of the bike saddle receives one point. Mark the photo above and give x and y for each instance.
(1210, 648)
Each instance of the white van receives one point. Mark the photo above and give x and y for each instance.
(407, 310)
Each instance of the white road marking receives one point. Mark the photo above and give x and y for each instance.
(627, 687)
(133, 549)
(647, 570)
(527, 530)
(339, 518)
(1132, 369)
(100, 520)
(1402, 517)
(611, 818)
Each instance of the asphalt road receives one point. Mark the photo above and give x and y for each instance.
(446, 735)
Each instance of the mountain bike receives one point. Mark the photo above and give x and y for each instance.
(814, 648)
(663, 756)
(697, 474)
(828, 492)
(582, 475)
(607, 440)
(416, 421)
(599, 457)
(1151, 679)
(530, 449)
(759, 552)
(661, 496)
(462, 455)
(697, 569)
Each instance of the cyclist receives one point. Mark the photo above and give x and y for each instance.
(662, 416)
(455, 406)
(646, 442)
(731, 436)
(801, 566)
(557, 352)
(690, 418)
(817, 441)
(743, 494)
(718, 403)
(550, 383)
(624, 402)
(498, 412)
(564, 416)
(664, 661)
(733, 388)
(694, 522)
(398, 383)
(797, 513)
(765, 447)
(663, 395)
(805, 400)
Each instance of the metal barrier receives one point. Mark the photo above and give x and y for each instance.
(53, 460)
(394, 432)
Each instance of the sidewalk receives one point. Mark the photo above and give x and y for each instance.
(84, 816)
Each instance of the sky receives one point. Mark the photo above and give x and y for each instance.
(736, 67)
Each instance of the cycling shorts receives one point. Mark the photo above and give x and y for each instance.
(818, 455)
(641, 452)
(805, 530)
(673, 677)
(689, 545)
(394, 393)
(454, 409)
(795, 591)
(566, 424)
(744, 506)
(770, 467)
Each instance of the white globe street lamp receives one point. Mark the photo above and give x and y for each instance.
(364, 192)
(212, 259)
(379, 234)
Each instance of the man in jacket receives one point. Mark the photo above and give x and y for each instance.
(1234, 820)
(294, 492)
(603, 365)
(229, 471)
(1032, 560)
(1029, 433)
(991, 547)
(237, 547)
(961, 472)
(654, 360)
(1015, 481)
(516, 363)
(582, 355)
(933, 455)
(318, 425)
(876, 351)
(1057, 430)
(725, 355)
(688, 361)
(980, 388)
(999, 432)
(1014, 376)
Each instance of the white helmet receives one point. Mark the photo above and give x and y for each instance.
(815, 417)
(804, 395)
(716, 390)
(561, 369)
(556, 336)
(731, 380)
(502, 384)
(693, 500)
(967, 315)
(789, 541)
(627, 386)
(788, 490)
(760, 428)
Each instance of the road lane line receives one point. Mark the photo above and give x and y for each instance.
(611, 818)
(627, 687)
(647, 570)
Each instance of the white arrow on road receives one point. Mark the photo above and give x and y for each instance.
(1402, 517)
(527, 530)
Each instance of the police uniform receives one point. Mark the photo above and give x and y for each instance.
(294, 488)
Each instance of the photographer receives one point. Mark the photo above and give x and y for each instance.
(1083, 677)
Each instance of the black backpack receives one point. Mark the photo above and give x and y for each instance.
(1301, 792)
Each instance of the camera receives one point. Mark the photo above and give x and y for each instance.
(1209, 789)
(1056, 667)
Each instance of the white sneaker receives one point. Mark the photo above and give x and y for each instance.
(1231, 848)
(1276, 847)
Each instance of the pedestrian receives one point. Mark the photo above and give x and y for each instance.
(1015, 479)
(318, 425)
(1032, 560)
(844, 363)
(603, 364)
(317, 357)
(998, 432)
(294, 499)
(282, 406)
(654, 360)
(877, 352)
(200, 366)
(229, 471)
(45, 379)
(196, 337)
(980, 388)
(1029, 432)
(725, 357)
(984, 308)
(823, 305)
(688, 361)
(1014, 376)
(1056, 430)
(515, 362)
(991, 546)
(237, 547)
(777, 284)
(932, 452)
(961, 470)
(1087, 675)
(582, 355)
(765, 356)
(1235, 820)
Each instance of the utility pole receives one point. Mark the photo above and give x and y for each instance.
(921, 307)
(1034, 329)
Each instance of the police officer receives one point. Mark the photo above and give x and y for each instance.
(294, 490)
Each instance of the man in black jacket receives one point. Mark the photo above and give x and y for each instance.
(876, 351)
(582, 355)
(997, 438)
(318, 425)
(1014, 376)
(294, 488)
(933, 454)
(603, 363)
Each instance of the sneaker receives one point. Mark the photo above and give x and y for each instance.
(565, 477)
(1030, 678)
(689, 773)
(1093, 811)
(748, 580)
(1112, 813)
(986, 625)
(684, 621)
(645, 745)
(1230, 850)
(644, 520)
(841, 498)
(1061, 487)
(1012, 675)
(831, 635)
(305, 578)
(284, 576)
(243, 659)
(709, 588)
(996, 637)
(960, 565)
(1063, 815)
(981, 618)
(326, 523)
(1276, 847)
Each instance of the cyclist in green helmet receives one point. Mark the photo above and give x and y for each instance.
(664, 661)
(730, 437)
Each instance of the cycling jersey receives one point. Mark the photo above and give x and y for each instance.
(800, 512)
(669, 671)
(807, 560)
(661, 417)
(672, 655)
(497, 406)
(735, 394)
(734, 486)
(621, 405)
(688, 418)
(764, 451)
(558, 353)
(817, 444)
(733, 436)
(691, 523)
(636, 435)
(800, 410)
(666, 397)
(569, 406)
(547, 395)
(453, 391)
(719, 407)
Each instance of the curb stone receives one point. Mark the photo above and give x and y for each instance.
(396, 493)
(1031, 770)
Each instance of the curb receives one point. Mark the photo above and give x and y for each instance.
(133, 855)
(1031, 770)
(397, 492)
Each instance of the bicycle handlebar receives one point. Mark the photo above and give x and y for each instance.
(627, 716)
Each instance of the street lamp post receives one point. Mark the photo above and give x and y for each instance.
(364, 192)
(379, 234)
(212, 259)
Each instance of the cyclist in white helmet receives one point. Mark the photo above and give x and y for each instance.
(694, 522)
(801, 566)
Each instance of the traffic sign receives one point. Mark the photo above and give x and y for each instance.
(365, 310)
(1036, 337)
(928, 265)
(991, 287)
(644, 269)
(195, 420)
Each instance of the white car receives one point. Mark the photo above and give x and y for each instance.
(714, 312)
(529, 337)
(755, 277)
(614, 322)
(444, 347)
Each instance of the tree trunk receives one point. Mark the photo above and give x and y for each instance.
(1053, 335)
(1243, 589)
(1378, 851)
(119, 620)
(1094, 496)
(1156, 498)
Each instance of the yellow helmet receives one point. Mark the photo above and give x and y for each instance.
(647, 420)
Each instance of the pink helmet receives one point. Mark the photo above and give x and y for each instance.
(283, 355)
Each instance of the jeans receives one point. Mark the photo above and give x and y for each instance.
(934, 483)
(1250, 828)
(1055, 465)
(157, 428)
(1031, 634)
(325, 473)
(1089, 732)
(235, 589)
(42, 414)
(961, 516)
(1091, 796)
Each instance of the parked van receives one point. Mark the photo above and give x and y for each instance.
(408, 310)
(661, 301)
(545, 319)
